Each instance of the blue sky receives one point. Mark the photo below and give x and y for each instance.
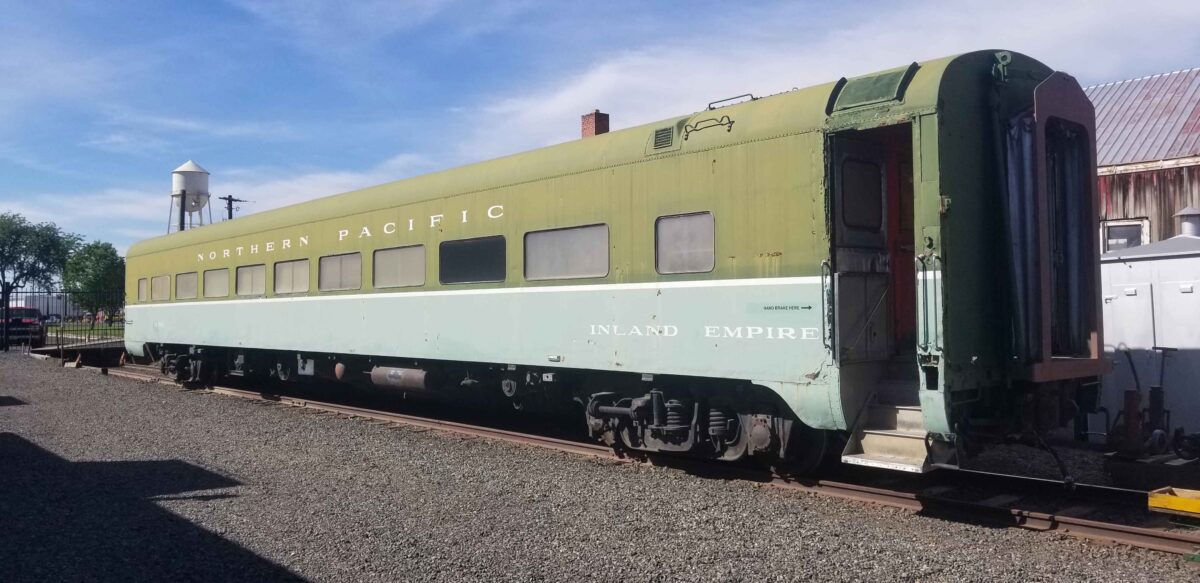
(284, 101)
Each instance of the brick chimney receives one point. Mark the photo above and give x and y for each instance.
(595, 123)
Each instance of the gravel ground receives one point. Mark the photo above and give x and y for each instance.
(1086, 466)
(109, 479)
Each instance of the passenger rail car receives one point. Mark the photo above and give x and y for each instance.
(882, 266)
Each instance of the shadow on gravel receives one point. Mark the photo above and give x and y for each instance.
(96, 521)
(7, 401)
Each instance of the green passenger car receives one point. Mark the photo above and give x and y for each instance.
(877, 267)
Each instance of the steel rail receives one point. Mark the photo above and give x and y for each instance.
(555, 444)
(1147, 538)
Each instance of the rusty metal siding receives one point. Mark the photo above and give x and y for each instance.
(1153, 194)
(1148, 119)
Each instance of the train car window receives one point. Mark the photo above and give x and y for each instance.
(399, 267)
(685, 243)
(862, 195)
(291, 277)
(472, 260)
(185, 286)
(142, 285)
(252, 280)
(216, 283)
(339, 272)
(160, 288)
(570, 253)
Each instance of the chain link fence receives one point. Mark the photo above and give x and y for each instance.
(53, 322)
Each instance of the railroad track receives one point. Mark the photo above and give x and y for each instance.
(916, 495)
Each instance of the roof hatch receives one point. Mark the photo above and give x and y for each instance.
(873, 89)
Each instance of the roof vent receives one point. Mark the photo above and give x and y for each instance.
(1189, 221)
(873, 89)
(663, 137)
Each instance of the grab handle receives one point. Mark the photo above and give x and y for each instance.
(826, 276)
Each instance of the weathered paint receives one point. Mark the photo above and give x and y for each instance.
(1151, 194)
(766, 329)
(764, 179)
(1147, 119)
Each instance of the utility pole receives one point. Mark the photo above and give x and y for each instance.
(182, 208)
(229, 200)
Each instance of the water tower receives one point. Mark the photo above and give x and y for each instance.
(189, 197)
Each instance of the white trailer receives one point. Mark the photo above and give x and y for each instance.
(1152, 299)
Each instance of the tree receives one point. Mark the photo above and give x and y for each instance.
(30, 254)
(95, 278)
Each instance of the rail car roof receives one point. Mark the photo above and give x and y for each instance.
(858, 100)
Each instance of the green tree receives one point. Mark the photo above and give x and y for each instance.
(95, 278)
(30, 254)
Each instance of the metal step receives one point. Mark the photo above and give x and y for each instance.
(892, 443)
(892, 433)
(900, 417)
(891, 450)
(886, 463)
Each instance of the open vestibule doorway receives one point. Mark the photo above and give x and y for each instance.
(873, 255)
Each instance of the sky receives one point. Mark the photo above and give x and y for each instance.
(288, 100)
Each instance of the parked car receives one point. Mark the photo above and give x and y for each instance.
(23, 326)
(51, 319)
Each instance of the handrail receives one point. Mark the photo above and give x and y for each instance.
(713, 105)
(931, 338)
(923, 278)
(826, 267)
(938, 292)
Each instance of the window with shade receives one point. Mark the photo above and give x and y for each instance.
(252, 280)
(160, 288)
(399, 267)
(340, 272)
(571, 253)
(291, 277)
(186, 285)
(685, 243)
(216, 283)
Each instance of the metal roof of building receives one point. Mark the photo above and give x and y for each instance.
(1177, 245)
(1148, 119)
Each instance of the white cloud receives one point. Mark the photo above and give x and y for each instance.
(335, 26)
(14, 155)
(215, 128)
(126, 142)
(124, 215)
(273, 188)
(40, 68)
(129, 132)
(1091, 40)
(36, 70)
(764, 50)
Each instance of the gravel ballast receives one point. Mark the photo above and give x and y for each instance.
(103, 478)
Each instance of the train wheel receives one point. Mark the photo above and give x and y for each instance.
(283, 372)
(809, 450)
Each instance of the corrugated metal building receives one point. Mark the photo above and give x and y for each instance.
(1148, 154)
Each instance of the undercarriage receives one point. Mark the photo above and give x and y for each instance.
(709, 418)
